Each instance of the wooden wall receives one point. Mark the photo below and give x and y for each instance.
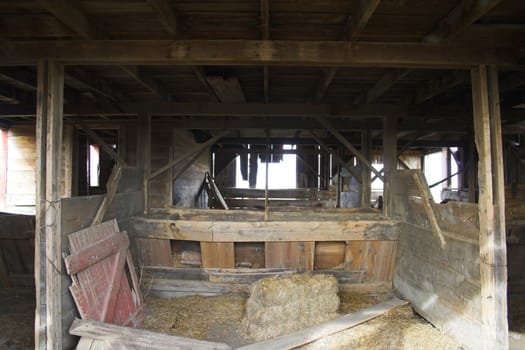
(442, 283)
(17, 250)
(21, 162)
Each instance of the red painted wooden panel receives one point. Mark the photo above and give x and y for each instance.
(102, 289)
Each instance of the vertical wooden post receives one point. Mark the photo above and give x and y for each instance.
(389, 159)
(366, 183)
(492, 240)
(266, 202)
(3, 167)
(48, 235)
(144, 154)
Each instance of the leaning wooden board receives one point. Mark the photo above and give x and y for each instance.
(100, 266)
(111, 337)
(308, 335)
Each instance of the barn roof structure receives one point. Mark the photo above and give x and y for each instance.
(407, 74)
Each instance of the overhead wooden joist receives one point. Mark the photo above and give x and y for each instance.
(256, 52)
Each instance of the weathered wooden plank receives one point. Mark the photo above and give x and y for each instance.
(355, 255)
(138, 337)
(293, 255)
(250, 52)
(329, 255)
(311, 334)
(217, 254)
(425, 198)
(95, 253)
(153, 252)
(261, 231)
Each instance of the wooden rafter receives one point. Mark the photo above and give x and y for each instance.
(167, 15)
(22, 79)
(384, 84)
(199, 72)
(363, 10)
(144, 78)
(441, 84)
(457, 20)
(69, 13)
(81, 77)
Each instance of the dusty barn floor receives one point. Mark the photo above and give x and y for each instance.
(17, 318)
(218, 319)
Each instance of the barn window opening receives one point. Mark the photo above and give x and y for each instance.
(94, 165)
(281, 168)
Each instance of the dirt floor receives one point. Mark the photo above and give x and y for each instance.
(17, 312)
(218, 319)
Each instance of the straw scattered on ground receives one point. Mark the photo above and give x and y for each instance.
(219, 319)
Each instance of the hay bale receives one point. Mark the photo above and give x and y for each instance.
(284, 304)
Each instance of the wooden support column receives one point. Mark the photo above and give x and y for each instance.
(389, 159)
(144, 154)
(492, 238)
(366, 183)
(48, 235)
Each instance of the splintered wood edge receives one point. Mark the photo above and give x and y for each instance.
(311, 334)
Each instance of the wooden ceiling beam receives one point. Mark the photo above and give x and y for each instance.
(144, 78)
(441, 84)
(462, 16)
(69, 13)
(167, 16)
(10, 95)
(385, 83)
(256, 52)
(212, 109)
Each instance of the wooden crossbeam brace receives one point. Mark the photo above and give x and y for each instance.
(336, 157)
(188, 154)
(348, 145)
(103, 145)
(111, 191)
(422, 186)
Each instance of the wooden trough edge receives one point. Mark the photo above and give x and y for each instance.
(119, 335)
(310, 334)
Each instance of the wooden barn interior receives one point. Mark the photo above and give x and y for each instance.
(169, 116)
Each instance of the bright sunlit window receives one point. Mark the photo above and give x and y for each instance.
(94, 165)
(281, 175)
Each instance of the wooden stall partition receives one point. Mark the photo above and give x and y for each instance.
(441, 282)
